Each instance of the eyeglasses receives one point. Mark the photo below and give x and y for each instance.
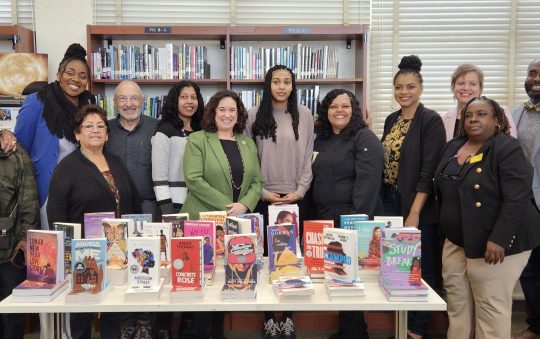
(90, 127)
(123, 99)
(456, 176)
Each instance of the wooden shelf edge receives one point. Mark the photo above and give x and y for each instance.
(303, 81)
(160, 81)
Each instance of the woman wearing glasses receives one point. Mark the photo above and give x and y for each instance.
(91, 180)
(489, 217)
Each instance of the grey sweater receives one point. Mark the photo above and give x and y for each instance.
(286, 163)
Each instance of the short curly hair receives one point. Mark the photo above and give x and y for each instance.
(323, 127)
(209, 117)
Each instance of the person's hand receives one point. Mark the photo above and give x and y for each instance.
(8, 141)
(236, 208)
(413, 219)
(272, 198)
(291, 198)
(494, 253)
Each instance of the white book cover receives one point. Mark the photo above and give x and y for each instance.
(284, 214)
(143, 263)
(115, 231)
(340, 254)
(135, 228)
(390, 222)
(163, 230)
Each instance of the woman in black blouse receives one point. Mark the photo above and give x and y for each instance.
(413, 138)
(347, 168)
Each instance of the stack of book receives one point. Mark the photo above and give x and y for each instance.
(299, 286)
(187, 269)
(240, 267)
(144, 281)
(45, 268)
(314, 248)
(341, 263)
(401, 274)
(89, 276)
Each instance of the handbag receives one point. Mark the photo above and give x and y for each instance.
(7, 225)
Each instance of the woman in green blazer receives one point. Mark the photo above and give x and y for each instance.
(221, 166)
(222, 172)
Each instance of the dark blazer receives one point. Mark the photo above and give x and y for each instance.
(496, 198)
(346, 173)
(77, 187)
(419, 155)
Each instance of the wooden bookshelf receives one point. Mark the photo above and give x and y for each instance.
(24, 37)
(349, 40)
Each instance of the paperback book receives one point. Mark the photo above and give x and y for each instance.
(284, 214)
(218, 217)
(115, 231)
(293, 286)
(89, 277)
(187, 267)
(177, 223)
(135, 228)
(205, 229)
(241, 266)
(144, 272)
(257, 227)
(93, 224)
(340, 255)
(71, 231)
(314, 245)
(162, 230)
(282, 260)
(346, 220)
(390, 222)
(369, 244)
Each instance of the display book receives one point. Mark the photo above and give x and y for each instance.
(282, 243)
(90, 280)
(144, 278)
(369, 245)
(115, 231)
(187, 269)
(135, 229)
(45, 278)
(293, 286)
(71, 231)
(249, 223)
(177, 223)
(341, 264)
(314, 248)
(207, 230)
(240, 266)
(218, 217)
(162, 230)
(401, 273)
(287, 214)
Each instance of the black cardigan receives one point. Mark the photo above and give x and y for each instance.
(496, 197)
(347, 175)
(77, 187)
(419, 155)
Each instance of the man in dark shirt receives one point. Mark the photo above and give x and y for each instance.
(129, 139)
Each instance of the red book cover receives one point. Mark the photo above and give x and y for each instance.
(187, 265)
(44, 250)
(314, 243)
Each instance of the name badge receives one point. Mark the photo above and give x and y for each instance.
(477, 158)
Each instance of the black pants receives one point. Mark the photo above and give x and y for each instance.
(11, 325)
(110, 325)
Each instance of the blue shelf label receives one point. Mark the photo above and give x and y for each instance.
(296, 30)
(160, 30)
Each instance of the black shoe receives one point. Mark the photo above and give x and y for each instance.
(271, 330)
(164, 334)
(127, 332)
(287, 329)
(144, 329)
(187, 331)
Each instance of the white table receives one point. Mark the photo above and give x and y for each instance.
(374, 300)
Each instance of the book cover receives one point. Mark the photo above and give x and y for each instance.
(281, 246)
(401, 258)
(284, 214)
(340, 254)
(348, 219)
(314, 243)
(88, 266)
(293, 286)
(257, 227)
(187, 263)
(216, 216)
(71, 231)
(45, 256)
(177, 223)
(143, 262)
(135, 228)
(163, 230)
(205, 229)
(390, 222)
(92, 224)
(241, 260)
(369, 243)
(115, 231)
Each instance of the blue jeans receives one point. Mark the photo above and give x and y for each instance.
(431, 258)
(11, 325)
(530, 283)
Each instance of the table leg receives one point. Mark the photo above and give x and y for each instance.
(401, 325)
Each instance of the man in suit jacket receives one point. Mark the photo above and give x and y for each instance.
(527, 118)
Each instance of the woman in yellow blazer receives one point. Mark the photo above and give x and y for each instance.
(221, 166)
(222, 172)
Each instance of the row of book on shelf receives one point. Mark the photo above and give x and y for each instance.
(153, 105)
(182, 254)
(184, 61)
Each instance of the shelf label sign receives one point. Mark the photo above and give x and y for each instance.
(159, 30)
(296, 30)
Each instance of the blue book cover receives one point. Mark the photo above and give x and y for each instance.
(349, 219)
(88, 265)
